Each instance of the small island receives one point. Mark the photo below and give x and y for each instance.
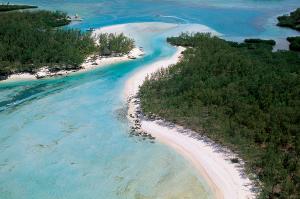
(33, 43)
(241, 95)
(8, 7)
(291, 21)
(294, 43)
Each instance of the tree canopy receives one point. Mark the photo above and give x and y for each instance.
(32, 39)
(8, 7)
(294, 43)
(290, 21)
(240, 95)
(110, 44)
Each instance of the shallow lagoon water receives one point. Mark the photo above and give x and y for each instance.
(68, 137)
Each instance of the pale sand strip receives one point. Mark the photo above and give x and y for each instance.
(225, 178)
(89, 64)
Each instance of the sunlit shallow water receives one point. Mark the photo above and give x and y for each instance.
(68, 137)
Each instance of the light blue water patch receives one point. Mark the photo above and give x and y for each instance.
(233, 18)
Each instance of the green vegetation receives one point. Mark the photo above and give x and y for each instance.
(112, 44)
(260, 41)
(4, 8)
(255, 44)
(291, 21)
(294, 43)
(31, 40)
(245, 97)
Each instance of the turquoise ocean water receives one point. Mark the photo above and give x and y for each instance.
(68, 137)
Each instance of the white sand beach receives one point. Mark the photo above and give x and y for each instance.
(225, 178)
(92, 62)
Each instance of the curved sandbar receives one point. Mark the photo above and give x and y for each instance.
(225, 178)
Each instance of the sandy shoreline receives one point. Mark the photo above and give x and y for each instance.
(224, 178)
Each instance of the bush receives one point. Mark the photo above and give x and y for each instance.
(291, 21)
(294, 43)
(260, 41)
(30, 40)
(114, 44)
(4, 8)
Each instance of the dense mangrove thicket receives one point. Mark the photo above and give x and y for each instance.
(294, 43)
(110, 44)
(240, 95)
(290, 21)
(29, 41)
